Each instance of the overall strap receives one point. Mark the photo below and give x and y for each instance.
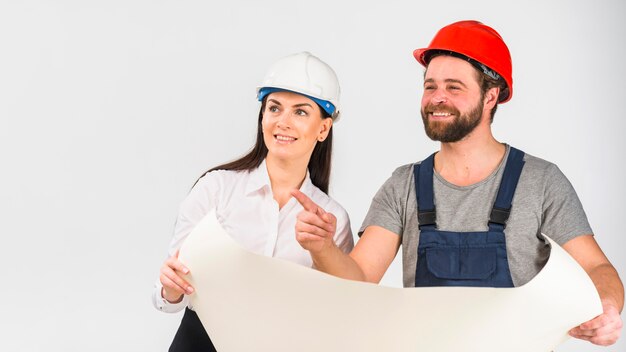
(502, 206)
(423, 177)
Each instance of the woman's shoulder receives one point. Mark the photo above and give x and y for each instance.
(220, 177)
(328, 203)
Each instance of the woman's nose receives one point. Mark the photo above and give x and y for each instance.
(283, 120)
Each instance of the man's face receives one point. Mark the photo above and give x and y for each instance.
(452, 104)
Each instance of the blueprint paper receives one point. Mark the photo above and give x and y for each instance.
(248, 302)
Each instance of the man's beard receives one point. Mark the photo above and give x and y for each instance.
(451, 131)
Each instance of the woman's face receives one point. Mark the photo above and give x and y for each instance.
(292, 125)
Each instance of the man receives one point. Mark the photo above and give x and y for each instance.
(471, 214)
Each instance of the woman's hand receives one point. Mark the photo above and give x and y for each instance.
(315, 228)
(174, 286)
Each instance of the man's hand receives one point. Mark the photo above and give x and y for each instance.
(603, 330)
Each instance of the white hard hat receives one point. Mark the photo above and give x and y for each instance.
(305, 74)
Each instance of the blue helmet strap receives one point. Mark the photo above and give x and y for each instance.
(324, 104)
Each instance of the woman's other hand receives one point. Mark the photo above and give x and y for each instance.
(174, 286)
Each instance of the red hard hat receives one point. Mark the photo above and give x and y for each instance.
(477, 42)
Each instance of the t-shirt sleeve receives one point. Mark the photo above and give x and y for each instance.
(563, 215)
(386, 208)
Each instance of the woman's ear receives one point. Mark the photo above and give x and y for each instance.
(327, 123)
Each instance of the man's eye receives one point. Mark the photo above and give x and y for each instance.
(429, 87)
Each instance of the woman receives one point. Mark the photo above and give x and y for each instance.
(251, 196)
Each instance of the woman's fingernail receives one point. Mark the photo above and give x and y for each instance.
(190, 289)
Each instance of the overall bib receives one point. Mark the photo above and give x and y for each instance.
(447, 258)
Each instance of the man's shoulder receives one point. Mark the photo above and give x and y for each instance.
(402, 176)
(403, 170)
(537, 166)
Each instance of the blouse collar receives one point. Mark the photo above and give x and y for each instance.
(260, 179)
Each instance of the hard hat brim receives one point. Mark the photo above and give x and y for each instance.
(419, 55)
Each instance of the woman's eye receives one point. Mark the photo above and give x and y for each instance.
(273, 108)
(301, 112)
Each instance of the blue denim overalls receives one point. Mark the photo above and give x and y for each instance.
(446, 258)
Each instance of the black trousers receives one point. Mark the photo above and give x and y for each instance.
(191, 336)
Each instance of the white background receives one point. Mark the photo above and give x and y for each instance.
(109, 111)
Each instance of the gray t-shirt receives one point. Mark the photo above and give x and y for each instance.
(544, 202)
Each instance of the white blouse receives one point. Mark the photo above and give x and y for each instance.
(244, 205)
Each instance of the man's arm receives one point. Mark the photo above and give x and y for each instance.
(605, 329)
(368, 261)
